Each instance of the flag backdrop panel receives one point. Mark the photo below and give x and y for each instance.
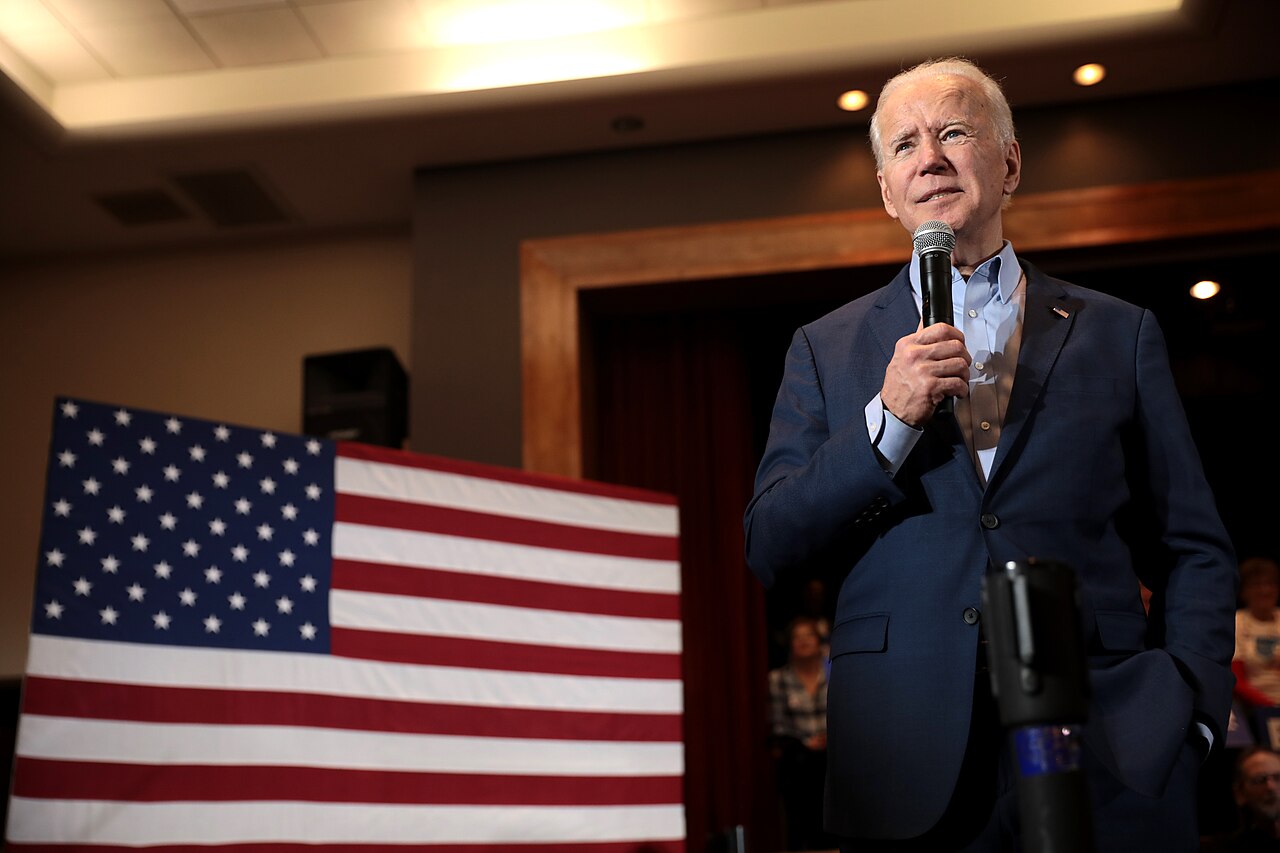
(261, 641)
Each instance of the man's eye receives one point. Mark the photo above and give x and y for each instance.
(900, 147)
(952, 133)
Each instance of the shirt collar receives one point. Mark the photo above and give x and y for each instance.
(1001, 269)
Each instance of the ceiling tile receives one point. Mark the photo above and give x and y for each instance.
(143, 48)
(257, 37)
(365, 26)
(494, 21)
(81, 13)
(205, 7)
(21, 16)
(679, 10)
(58, 56)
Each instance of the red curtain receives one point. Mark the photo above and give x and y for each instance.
(672, 411)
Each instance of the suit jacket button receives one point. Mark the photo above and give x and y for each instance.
(970, 616)
(990, 520)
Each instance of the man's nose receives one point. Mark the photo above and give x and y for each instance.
(932, 158)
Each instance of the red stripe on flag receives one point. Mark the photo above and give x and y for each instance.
(506, 847)
(490, 589)
(427, 518)
(508, 657)
(369, 453)
(96, 700)
(89, 780)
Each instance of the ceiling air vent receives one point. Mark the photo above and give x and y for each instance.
(142, 207)
(231, 198)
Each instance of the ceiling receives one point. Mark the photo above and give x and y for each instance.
(143, 123)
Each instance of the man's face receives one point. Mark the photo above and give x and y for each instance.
(942, 160)
(1259, 787)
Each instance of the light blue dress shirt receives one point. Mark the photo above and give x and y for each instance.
(987, 309)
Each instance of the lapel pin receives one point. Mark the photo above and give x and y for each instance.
(1060, 311)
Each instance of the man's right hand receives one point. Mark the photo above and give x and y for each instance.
(927, 366)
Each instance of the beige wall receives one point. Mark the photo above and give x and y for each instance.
(207, 333)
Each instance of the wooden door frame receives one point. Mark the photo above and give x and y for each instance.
(555, 271)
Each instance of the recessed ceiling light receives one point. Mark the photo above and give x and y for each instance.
(853, 100)
(1088, 75)
(1205, 289)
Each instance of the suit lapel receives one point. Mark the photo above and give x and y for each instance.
(900, 315)
(1048, 317)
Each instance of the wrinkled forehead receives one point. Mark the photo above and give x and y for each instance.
(932, 99)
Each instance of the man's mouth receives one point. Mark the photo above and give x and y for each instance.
(935, 196)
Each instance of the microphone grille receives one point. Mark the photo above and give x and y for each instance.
(934, 236)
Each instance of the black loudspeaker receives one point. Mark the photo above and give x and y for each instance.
(356, 396)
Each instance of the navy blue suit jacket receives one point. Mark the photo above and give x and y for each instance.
(1095, 467)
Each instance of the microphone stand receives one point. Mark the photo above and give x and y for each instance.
(1040, 682)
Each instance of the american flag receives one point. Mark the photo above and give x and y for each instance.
(253, 640)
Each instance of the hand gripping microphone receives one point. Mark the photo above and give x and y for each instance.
(1040, 681)
(934, 241)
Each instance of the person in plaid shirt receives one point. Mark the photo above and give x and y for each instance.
(798, 719)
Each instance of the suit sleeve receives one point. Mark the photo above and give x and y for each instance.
(818, 482)
(1200, 588)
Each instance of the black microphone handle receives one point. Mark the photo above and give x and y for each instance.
(935, 293)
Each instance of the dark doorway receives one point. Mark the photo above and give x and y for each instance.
(679, 385)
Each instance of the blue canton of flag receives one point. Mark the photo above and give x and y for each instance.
(184, 532)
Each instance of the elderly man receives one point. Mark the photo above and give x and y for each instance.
(1067, 442)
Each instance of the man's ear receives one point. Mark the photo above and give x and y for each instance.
(1013, 167)
(884, 196)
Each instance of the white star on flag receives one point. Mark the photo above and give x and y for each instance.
(83, 586)
(53, 609)
(212, 624)
(70, 409)
(163, 570)
(162, 620)
(236, 600)
(110, 565)
(96, 437)
(109, 615)
(261, 627)
(67, 459)
(120, 465)
(147, 445)
(261, 579)
(173, 425)
(136, 592)
(116, 515)
(92, 486)
(122, 417)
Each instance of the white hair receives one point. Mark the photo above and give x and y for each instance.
(1001, 115)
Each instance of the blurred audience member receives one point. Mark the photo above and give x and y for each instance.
(1257, 662)
(1257, 793)
(798, 715)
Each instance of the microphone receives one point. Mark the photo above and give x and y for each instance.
(934, 241)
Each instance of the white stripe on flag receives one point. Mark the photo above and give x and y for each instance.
(178, 666)
(74, 739)
(91, 822)
(501, 559)
(496, 497)
(439, 618)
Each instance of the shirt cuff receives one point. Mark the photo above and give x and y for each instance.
(891, 438)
